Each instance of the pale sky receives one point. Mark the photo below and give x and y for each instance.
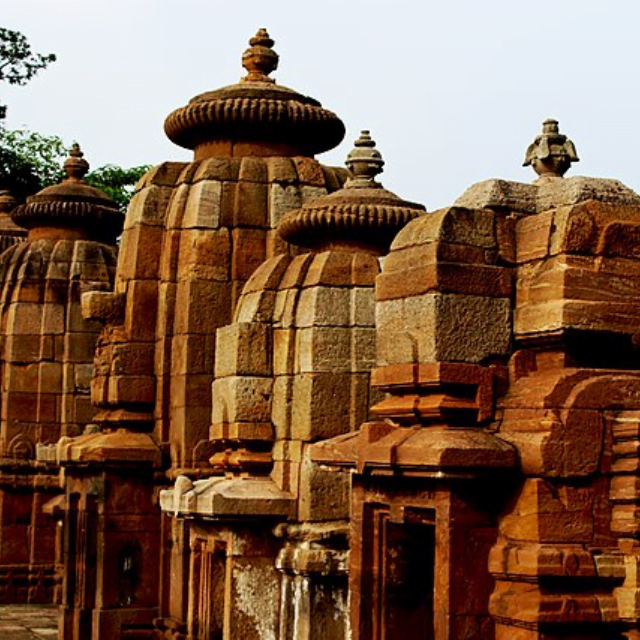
(453, 91)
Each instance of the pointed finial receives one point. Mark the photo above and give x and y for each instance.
(260, 59)
(365, 162)
(75, 166)
(552, 153)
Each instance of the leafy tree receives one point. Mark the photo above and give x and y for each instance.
(118, 183)
(30, 161)
(17, 175)
(18, 63)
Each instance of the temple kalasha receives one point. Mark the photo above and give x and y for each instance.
(276, 401)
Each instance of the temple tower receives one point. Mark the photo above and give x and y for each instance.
(194, 233)
(496, 496)
(46, 360)
(292, 368)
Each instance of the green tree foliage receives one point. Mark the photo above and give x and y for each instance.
(117, 183)
(18, 63)
(30, 161)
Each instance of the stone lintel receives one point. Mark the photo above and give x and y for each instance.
(226, 498)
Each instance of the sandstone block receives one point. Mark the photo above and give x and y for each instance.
(241, 399)
(25, 319)
(102, 305)
(22, 378)
(438, 326)
(217, 168)
(82, 375)
(457, 225)
(282, 199)
(28, 348)
(284, 351)
(204, 255)
(533, 234)
(202, 307)
(252, 169)
(323, 495)
(190, 390)
(275, 244)
(424, 276)
(141, 310)
(324, 405)
(50, 377)
(176, 208)
(324, 306)
(309, 171)
(550, 514)
(125, 390)
(148, 207)
(282, 406)
(364, 349)
(282, 170)
(285, 308)
(75, 347)
(249, 252)
(324, 349)
(165, 174)
(202, 209)
(338, 268)
(363, 307)
(139, 250)
(243, 349)
(251, 205)
(268, 275)
(191, 354)
(257, 306)
(296, 272)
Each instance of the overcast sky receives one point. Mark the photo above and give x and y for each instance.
(453, 91)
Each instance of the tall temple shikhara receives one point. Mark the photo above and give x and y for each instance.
(299, 407)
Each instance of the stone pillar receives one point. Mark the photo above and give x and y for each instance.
(314, 595)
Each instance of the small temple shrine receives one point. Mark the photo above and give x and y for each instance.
(298, 407)
(58, 245)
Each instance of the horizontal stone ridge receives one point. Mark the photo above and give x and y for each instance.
(373, 223)
(294, 120)
(97, 216)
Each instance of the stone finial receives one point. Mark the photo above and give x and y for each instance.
(260, 59)
(552, 153)
(75, 166)
(362, 215)
(7, 202)
(365, 162)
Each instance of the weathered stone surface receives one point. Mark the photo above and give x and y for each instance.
(442, 327)
(46, 356)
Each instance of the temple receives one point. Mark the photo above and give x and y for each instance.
(46, 362)
(297, 406)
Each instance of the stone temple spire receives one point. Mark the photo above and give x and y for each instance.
(363, 214)
(552, 153)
